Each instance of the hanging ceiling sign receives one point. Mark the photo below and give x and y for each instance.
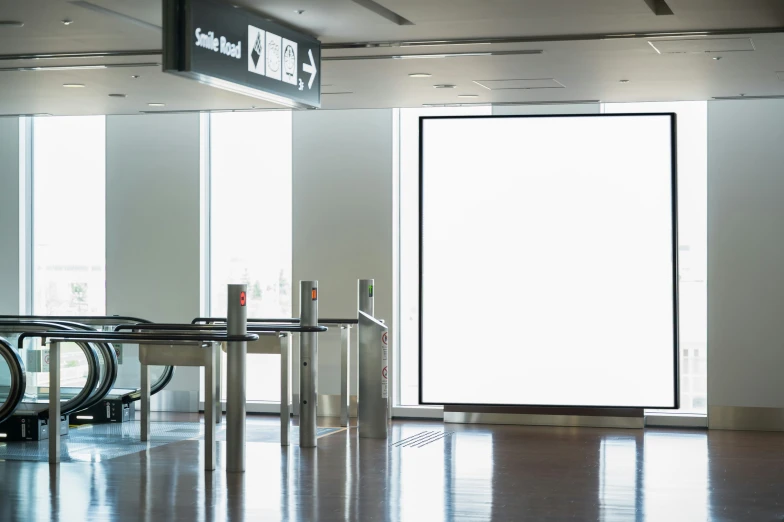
(230, 48)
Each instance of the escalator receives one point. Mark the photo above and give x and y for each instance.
(81, 378)
(12, 381)
(118, 389)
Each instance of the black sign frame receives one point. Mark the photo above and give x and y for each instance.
(233, 49)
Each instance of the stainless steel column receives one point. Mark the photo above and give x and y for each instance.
(373, 389)
(237, 324)
(54, 403)
(345, 374)
(285, 388)
(308, 371)
(217, 365)
(209, 406)
(145, 399)
(366, 299)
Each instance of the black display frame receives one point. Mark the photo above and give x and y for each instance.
(675, 283)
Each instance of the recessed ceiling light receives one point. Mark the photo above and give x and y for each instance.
(11, 23)
(444, 86)
(299, 11)
(67, 21)
(157, 104)
(623, 81)
(468, 96)
(717, 58)
(73, 85)
(420, 75)
(135, 76)
(117, 95)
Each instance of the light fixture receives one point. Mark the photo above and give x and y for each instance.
(11, 23)
(78, 67)
(67, 21)
(73, 85)
(135, 76)
(468, 96)
(623, 81)
(434, 55)
(717, 58)
(299, 11)
(3, 435)
(156, 104)
(444, 86)
(117, 95)
(420, 75)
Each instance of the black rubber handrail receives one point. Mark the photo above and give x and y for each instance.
(18, 379)
(136, 337)
(106, 350)
(254, 328)
(76, 403)
(210, 320)
(107, 320)
(84, 319)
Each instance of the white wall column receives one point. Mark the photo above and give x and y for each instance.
(342, 219)
(746, 264)
(153, 240)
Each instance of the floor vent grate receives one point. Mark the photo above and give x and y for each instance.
(422, 439)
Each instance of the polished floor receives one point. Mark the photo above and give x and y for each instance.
(427, 471)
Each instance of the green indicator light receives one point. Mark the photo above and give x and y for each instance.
(370, 290)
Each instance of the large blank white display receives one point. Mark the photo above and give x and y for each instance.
(547, 261)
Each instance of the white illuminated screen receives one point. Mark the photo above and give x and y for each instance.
(547, 261)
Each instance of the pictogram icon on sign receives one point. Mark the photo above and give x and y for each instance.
(385, 338)
(46, 359)
(243, 299)
(384, 372)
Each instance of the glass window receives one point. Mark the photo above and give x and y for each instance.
(693, 243)
(69, 214)
(408, 363)
(250, 223)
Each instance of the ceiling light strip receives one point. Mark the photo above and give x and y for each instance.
(556, 38)
(760, 97)
(431, 56)
(84, 54)
(504, 104)
(78, 67)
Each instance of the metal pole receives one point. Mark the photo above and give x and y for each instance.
(285, 389)
(145, 400)
(218, 371)
(366, 297)
(237, 324)
(209, 407)
(373, 389)
(54, 403)
(345, 373)
(308, 376)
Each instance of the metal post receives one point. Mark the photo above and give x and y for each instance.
(209, 407)
(54, 403)
(308, 376)
(366, 297)
(285, 389)
(217, 362)
(345, 374)
(373, 389)
(237, 323)
(145, 400)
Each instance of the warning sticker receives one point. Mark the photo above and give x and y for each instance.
(385, 338)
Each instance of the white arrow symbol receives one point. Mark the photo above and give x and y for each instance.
(310, 68)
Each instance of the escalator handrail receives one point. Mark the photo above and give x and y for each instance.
(91, 355)
(18, 379)
(168, 371)
(112, 365)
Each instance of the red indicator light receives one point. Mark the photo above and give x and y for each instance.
(243, 298)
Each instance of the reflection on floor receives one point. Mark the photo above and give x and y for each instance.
(103, 442)
(425, 472)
